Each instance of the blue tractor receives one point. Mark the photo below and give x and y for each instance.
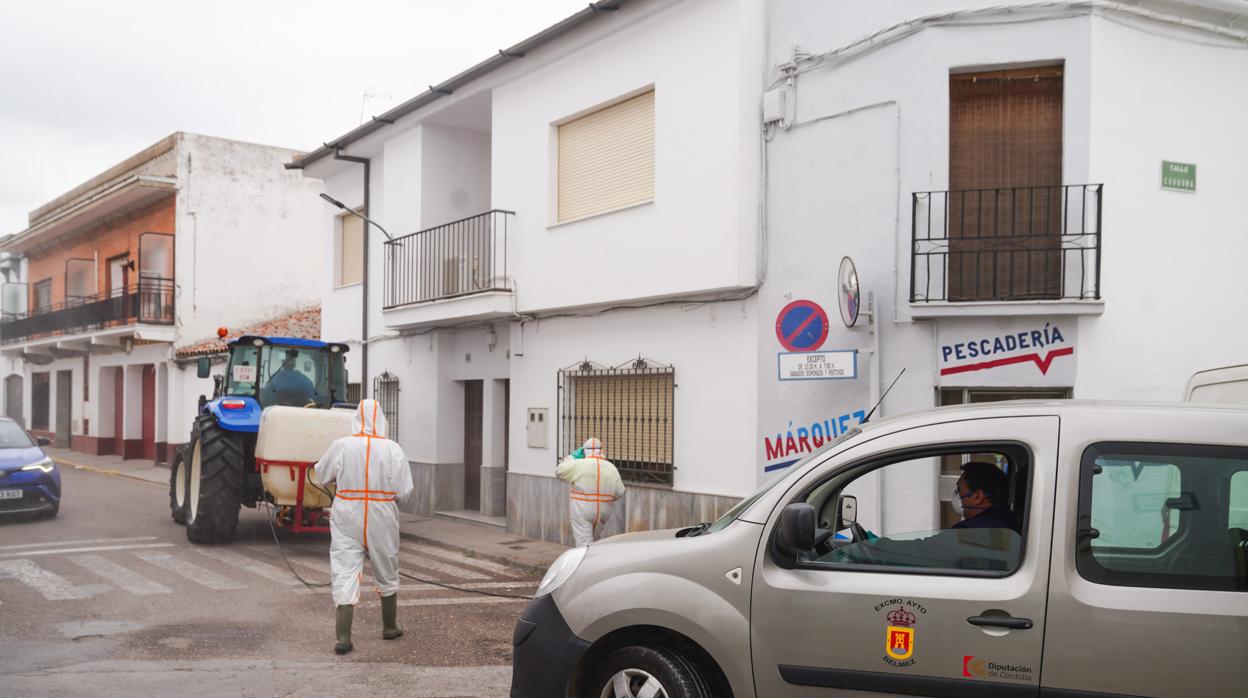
(218, 472)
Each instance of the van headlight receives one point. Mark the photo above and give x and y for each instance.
(46, 465)
(561, 570)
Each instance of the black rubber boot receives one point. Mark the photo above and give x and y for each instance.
(342, 627)
(390, 617)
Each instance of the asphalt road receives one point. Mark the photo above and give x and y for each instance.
(109, 598)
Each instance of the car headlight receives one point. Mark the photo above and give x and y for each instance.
(46, 465)
(561, 570)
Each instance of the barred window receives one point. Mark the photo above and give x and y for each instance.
(630, 408)
(386, 390)
(353, 393)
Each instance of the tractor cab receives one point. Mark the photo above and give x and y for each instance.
(267, 371)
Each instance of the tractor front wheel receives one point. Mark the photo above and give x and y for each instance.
(178, 485)
(215, 483)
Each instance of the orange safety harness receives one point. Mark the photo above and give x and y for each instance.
(366, 494)
(598, 497)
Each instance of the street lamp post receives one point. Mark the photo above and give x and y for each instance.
(353, 212)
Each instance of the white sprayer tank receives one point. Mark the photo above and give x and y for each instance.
(294, 436)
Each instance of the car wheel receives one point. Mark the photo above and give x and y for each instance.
(654, 672)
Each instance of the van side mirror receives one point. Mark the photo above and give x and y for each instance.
(847, 511)
(203, 367)
(795, 534)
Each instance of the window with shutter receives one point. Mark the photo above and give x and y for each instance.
(350, 258)
(606, 159)
(630, 409)
(1005, 176)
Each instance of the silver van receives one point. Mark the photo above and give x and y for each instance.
(1109, 559)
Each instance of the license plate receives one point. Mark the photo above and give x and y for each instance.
(10, 494)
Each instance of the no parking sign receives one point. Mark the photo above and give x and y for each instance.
(802, 326)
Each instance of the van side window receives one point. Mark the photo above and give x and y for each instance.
(989, 490)
(1171, 516)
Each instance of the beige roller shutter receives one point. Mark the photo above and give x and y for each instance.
(631, 414)
(351, 251)
(606, 159)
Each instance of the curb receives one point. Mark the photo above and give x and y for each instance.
(104, 471)
(471, 552)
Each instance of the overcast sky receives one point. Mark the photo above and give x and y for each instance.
(85, 84)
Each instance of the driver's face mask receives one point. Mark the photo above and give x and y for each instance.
(956, 502)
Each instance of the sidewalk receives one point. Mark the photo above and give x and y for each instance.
(472, 540)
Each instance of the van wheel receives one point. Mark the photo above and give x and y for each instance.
(636, 671)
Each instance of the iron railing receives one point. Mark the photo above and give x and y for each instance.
(1007, 244)
(460, 258)
(630, 408)
(151, 301)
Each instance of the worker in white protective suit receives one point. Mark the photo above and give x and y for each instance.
(373, 480)
(595, 484)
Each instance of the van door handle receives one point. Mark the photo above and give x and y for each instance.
(1000, 622)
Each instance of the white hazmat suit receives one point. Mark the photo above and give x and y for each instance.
(596, 485)
(373, 479)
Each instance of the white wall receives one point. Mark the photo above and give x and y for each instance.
(713, 350)
(1172, 273)
(246, 245)
(690, 238)
(455, 180)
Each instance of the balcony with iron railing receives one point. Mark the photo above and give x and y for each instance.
(1007, 245)
(453, 271)
(151, 302)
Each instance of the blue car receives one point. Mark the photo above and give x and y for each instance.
(30, 482)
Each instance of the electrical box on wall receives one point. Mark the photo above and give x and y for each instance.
(537, 427)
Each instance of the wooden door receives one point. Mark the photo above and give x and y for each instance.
(149, 412)
(64, 408)
(473, 414)
(119, 411)
(1005, 177)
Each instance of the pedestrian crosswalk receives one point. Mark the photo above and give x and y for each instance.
(78, 570)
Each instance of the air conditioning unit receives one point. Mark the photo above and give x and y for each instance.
(461, 274)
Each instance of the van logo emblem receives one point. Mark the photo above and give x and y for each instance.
(899, 636)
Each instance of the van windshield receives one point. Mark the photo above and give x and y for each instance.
(731, 515)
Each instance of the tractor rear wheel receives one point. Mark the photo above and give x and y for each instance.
(178, 485)
(216, 483)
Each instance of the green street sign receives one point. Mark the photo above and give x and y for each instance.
(1178, 176)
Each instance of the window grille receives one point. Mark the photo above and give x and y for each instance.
(630, 408)
(353, 393)
(386, 388)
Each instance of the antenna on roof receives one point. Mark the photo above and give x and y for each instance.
(877, 405)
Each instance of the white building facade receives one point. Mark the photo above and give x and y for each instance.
(631, 226)
(153, 255)
(539, 304)
(1017, 187)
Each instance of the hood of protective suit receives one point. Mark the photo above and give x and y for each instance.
(592, 448)
(369, 419)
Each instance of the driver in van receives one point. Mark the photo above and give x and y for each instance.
(982, 497)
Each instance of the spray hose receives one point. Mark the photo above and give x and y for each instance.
(319, 585)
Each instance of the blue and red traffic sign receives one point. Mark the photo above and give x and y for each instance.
(802, 326)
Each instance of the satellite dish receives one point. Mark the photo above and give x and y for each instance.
(847, 292)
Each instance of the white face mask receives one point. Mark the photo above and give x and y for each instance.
(956, 502)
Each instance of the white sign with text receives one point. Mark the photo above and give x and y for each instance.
(818, 365)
